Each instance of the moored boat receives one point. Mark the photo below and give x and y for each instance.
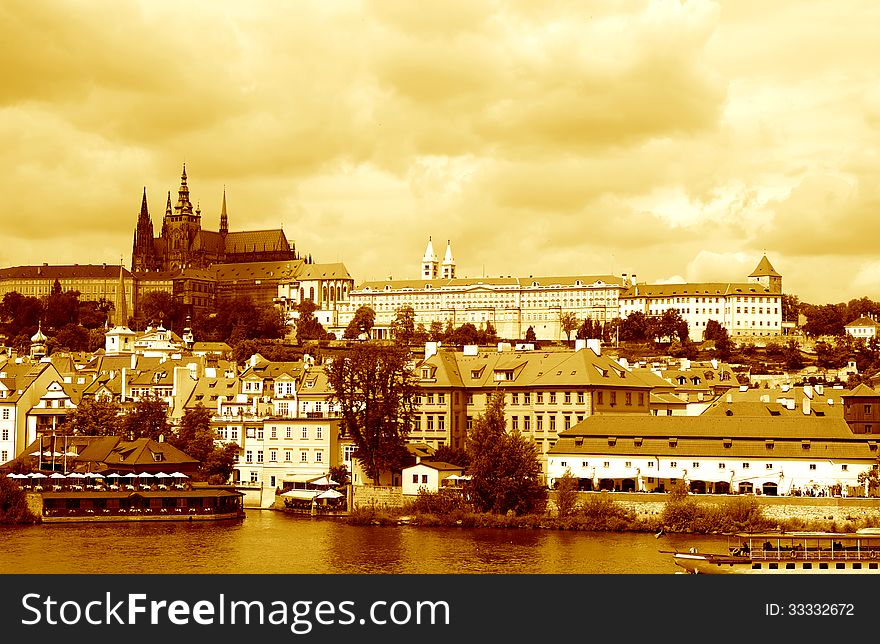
(790, 553)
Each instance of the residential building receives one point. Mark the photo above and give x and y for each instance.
(22, 387)
(429, 476)
(718, 454)
(865, 327)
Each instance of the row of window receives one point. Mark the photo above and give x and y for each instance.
(695, 465)
(288, 456)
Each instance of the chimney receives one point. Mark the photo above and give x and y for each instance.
(790, 404)
(122, 395)
(808, 392)
(632, 280)
(820, 389)
(729, 398)
(806, 406)
(623, 280)
(471, 349)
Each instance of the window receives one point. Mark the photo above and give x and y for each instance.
(319, 456)
(721, 466)
(768, 466)
(527, 423)
(628, 464)
(514, 423)
(567, 420)
(598, 397)
(673, 463)
(514, 398)
(5, 414)
(425, 479)
(273, 455)
(469, 424)
(844, 467)
(319, 433)
(567, 397)
(580, 398)
(745, 466)
(441, 399)
(430, 420)
(289, 432)
(248, 456)
(812, 466)
(430, 399)
(552, 422)
(696, 464)
(539, 423)
(6, 438)
(273, 432)
(303, 456)
(641, 399)
(259, 456)
(606, 464)
(585, 464)
(415, 478)
(259, 433)
(552, 397)
(867, 409)
(539, 397)
(288, 455)
(613, 398)
(305, 432)
(255, 476)
(628, 399)
(348, 452)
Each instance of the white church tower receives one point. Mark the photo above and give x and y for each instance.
(448, 266)
(430, 265)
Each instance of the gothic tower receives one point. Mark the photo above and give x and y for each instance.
(224, 220)
(143, 253)
(182, 227)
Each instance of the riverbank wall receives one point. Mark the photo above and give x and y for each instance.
(647, 505)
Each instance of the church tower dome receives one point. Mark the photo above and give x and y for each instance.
(430, 265)
(448, 266)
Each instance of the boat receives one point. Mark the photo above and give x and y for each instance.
(101, 506)
(771, 553)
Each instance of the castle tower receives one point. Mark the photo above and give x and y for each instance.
(120, 339)
(767, 276)
(430, 264)
(224, 220)
(448, 266)
(143, 252)
(182, 227)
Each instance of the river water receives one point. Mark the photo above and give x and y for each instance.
(269, 542)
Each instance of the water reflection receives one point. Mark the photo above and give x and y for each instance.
(273, 543)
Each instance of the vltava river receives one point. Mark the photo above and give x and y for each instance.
(269, 542)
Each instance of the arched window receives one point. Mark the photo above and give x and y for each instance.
(338, 293)
(312, 293)
(302, 294)
(324, 292)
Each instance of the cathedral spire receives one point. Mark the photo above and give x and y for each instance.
(224, 220)
(145, 213)
(184, 206)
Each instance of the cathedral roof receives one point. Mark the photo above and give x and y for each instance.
(251, 241)
(258, 270)
(323, 271)
(208, 240)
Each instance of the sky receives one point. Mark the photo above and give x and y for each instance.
(678, 141)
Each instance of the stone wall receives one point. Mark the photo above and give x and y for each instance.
(378, 496)
(778, 508)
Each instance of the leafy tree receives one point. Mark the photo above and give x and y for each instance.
(454, 455)
(21, 316)
(828, 319)
(568, 322)
(375, 390)
(791, 353)
(718, 333)
(488, 335)
(307, 325)
(790, 307)
(636, 328)
(362, 321)
(504, 466)
(195, 436)
(13, 504)
(91, 315)
(403, 326)
(530, 335)
(94, 417)
(589, 330)
(161, 307)
(70, 337)
(421, 334)
(467, 333)
(220, 463)
(272, 350)
(566, 494)
(339, 473)
(148, 419)
(435, 332)
(60, 309)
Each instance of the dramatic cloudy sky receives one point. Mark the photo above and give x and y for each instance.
(674, 140)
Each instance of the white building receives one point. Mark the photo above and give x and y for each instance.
(748, 309)
(429, 476)
(864, 327)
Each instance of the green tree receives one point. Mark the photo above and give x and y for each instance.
(148, 419)
(530, 335)
(362, 321)
(403, 326)
(161, 307)
(716, 332)
(435, 331)
(506, 475)
(790, 307)
(339, 473)
(467, 333)
(636, 327)
(375, 390)
(566, 494)
(568, 322)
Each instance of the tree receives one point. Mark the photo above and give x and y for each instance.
(467, 333)
(94, 417)
(636, 327)
(220, 463)
(160, 307)
(362, 321)
(716, 332)
(566, 494)
(148, 419)
(828, 319)
(375, 390)
(568, 322)
(195, 436)
(504, 466)
(530, 335)
(454, 455)
(488, 335)
(70, 337)
(403, 326)
(339, 473)
(790, 307)
(307, 325)
(435, 331)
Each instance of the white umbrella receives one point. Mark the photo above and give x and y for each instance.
(13, 475)
(115, 475)
(179, 475)
(130, 475)
(95, 475)
(163, 475)
(57, 475)
(329, 494)
(37, 475)
(76, 475)
(145, 475)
